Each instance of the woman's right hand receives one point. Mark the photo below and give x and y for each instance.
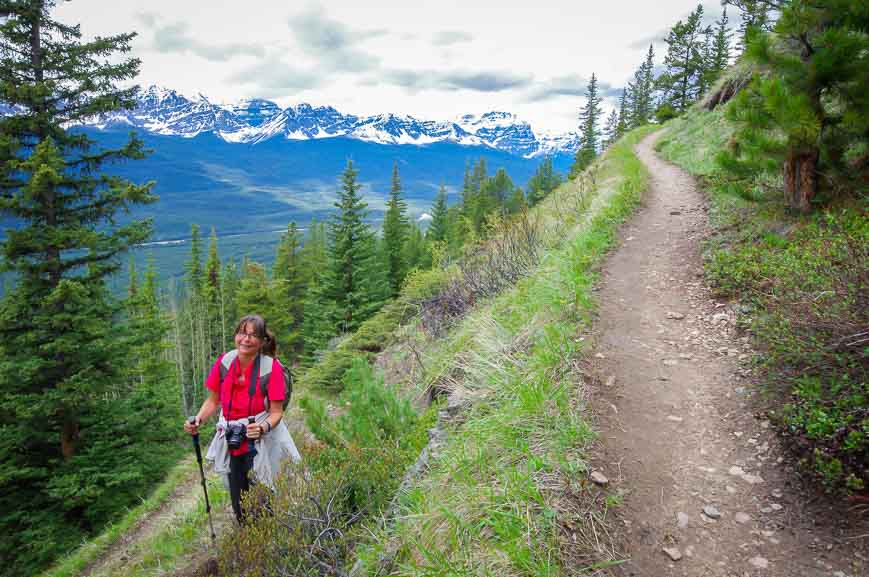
(191, 425)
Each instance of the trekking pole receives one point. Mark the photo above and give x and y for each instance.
(192, 421)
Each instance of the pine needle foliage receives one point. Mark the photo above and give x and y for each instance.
(63, 347)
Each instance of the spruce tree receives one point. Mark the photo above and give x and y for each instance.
(682, 80)
(588, 126)
(289, 282)
(437, 230)
(61, 349)
(194, 265)
(354, 287)
(395, 231)
(212, 295)
(807, 114)
(623, 123)
(721, 44)
(543, 182)
(611, 128)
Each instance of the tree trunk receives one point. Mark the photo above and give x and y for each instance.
(801, 178)
(68, 436)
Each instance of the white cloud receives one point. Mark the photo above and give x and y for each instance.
(433, 59)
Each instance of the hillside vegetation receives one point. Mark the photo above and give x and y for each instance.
(507, 458)
(803, 282)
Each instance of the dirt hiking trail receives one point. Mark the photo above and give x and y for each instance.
(708, 489)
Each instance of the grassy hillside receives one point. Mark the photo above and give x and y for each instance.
(802, 281)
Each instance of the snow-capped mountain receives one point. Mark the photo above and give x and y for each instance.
(165, 112)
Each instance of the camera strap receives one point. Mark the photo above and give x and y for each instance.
(254, 383)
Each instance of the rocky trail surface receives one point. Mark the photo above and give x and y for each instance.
(708, 489)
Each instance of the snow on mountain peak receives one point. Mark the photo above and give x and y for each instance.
(165, 111)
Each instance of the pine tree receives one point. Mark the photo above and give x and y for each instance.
(194, 265)
(61, 348)
(213, 299)
(682, 81)
(318, 325)
(517, 202)
(754, 15)
(809, 110)
(395, 231)
(437, 230)
(353, 288)
(543, 182)
(416, 250)
(623, 123)
(289, 282)
(588, 121)
(611, 128)
(720, 57)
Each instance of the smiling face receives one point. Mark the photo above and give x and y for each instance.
(247, 341)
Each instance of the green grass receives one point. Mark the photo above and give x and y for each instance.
(487, 505)
(802, 282)
(91, 550)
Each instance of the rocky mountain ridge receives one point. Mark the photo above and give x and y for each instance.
(166, 112)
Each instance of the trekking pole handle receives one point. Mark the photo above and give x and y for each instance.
(192, 421)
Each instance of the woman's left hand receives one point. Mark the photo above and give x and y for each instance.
(255, 430)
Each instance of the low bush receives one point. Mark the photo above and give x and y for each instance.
(320, 508)
(808, 294)
(374, 334)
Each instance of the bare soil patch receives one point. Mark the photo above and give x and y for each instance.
(708, 489)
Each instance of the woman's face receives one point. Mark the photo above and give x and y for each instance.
(246, 340)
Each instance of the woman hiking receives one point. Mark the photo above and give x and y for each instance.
(247, 386)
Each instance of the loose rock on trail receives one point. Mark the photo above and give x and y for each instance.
(708, 489)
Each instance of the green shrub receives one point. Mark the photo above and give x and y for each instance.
(318, 513)
(808, 292)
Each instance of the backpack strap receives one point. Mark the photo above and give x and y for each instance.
(226, 363)
(265, 375)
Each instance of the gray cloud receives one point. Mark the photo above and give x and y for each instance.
(332, 43)
(272, 78)
(484, 81)
(657, 38)
(572, 85)
(448, 37)
(175, 37)
(148, 19)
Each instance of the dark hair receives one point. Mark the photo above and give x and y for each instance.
(270, 343)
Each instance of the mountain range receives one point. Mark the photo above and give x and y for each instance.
(166, 112)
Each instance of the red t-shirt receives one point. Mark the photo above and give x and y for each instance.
(243, 405)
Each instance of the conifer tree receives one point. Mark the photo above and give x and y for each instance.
(213, 299)
(194, 265)
(623, 123)
(60, 350)
(682, 81)
(289, 282)
(353, 288)
(611, 128)
(437, 230)
(317, 312)
(543, 182)
(395, 231)
(754, 15)
(588, 126)
(416, 249)
(517, 202)
(807, 114)
(720, 56)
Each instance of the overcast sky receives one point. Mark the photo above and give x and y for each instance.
(432, 59)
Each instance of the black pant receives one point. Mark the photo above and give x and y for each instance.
(239, 481)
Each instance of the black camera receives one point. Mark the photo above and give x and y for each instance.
(235, 434)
